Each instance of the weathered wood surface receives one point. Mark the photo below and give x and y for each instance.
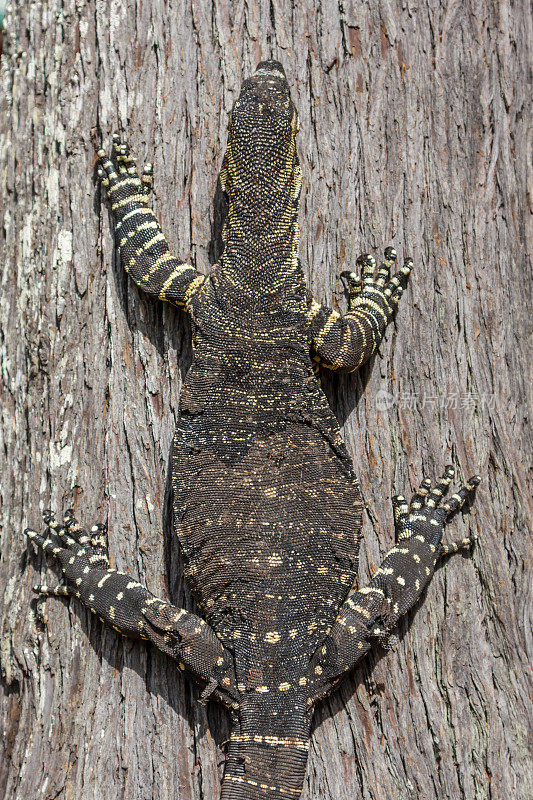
(414, 121)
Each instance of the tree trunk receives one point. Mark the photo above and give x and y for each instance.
(413, 133)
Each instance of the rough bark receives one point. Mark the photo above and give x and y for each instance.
(414, 122)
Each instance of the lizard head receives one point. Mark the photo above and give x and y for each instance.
(261, 163)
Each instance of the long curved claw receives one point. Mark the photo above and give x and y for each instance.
(396, 286)
(368, 264)
(400, 508)
(389, 260)
(457, 500)
(147, 178)
(51, 543)
(440, 488)
(353, 282)
(75, 530)
(457, 545)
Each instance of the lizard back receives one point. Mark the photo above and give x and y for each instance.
(267, 506)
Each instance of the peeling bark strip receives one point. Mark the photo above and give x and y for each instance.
(413, 132)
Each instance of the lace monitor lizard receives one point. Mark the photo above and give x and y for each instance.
(267, 507)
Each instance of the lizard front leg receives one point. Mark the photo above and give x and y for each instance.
(345, 342)
(371, 613)
(126, 605)
(144, 251)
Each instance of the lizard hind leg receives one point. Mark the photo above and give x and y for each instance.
(129, 608)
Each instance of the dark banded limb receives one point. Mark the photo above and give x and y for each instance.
(345, 342)
(128, 607)
(144, 251)
(371, 613)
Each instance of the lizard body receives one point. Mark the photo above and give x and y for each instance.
(267, 507)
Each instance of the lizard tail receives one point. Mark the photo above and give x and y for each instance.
(265, 767)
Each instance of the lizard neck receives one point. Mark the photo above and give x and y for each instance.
(260, 258)
(263, 265)
(261, 233)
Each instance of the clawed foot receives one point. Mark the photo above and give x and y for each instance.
(426, 514)
(77, 552)
(119, 176)
(369, 286)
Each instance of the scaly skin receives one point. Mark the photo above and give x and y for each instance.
(267, 506)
